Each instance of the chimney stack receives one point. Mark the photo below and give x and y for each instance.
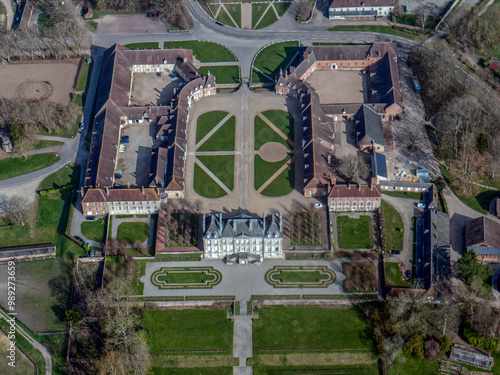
(107, 191)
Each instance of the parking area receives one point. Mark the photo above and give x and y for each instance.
(154, 88)
(135, 161)
(130, 24)
(338, 86)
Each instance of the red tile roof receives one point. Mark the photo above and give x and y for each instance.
(355, 191)
(361, 3)
(120, 195)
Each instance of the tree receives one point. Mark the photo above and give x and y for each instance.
(72, 317)
(415, 346)
(16, 132)
(398, 9)
(469, 267)
(494, 150)
(431, 349)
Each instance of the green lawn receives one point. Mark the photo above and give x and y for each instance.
(263, 170)
(309, 327)
(144, 45)
(235, 11)
(222, 166)
(402, 194)
(222, 139)
(283, 121)
(83, 77)
(380, 29)
(409, 365)
(355, 233)
(394, 227)
(283, 184)
(132, 232)
(268, 19)
(193, 371)
(12, 167)
(300, 276)
(104, 13)
(92, 25)
(204, 51)
(43, 290)
(205, 186)
(187, 277)
(281, 8)
(272, 58)
(264, 133)
(188, 330)
(94, 230)
(44, 144)
(258, 10)
(224, 18)
(71, 130)
(223, 74)
(207, 122)
(393, 274)
(310, 370)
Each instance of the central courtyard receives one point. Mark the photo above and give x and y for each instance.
(339, 86)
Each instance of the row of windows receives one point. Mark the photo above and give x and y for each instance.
(358, 199)
(254, 249)
(351, 9)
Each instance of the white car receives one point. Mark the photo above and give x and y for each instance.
(318, 205)
(421, 205)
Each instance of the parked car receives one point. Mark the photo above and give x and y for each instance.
(82, 125)
(174, 75)
(181, 84)
(91, 253)
(90, 218)
(126, 140)
(219, 23)
(421, 205)
(78, 238)
(408, 274)
(318, 205)
(396, 252)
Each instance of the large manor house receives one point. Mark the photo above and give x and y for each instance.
(114, 111)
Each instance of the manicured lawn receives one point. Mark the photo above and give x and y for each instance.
(268, 19)
(224, 18)
(283, 184)
(360, 277)
(204, 51)
(301, 276)
(193, 371)
(44, 144)
(258, 10)
(410, 365)
(94, 230)
(283, 121)
(144, 45)
(83, 77)
(323, 370)
(222, 139)
(222, 166)
(355, 233)
(223, 74)
(309, 327)
(186, 277)
(188, 330)
(264, 133)
(235, 11)
(132, 232)
(264, 170)
(281, 8)
(12, 167)
(43, 290)
(274, 57)
(207, 122)
(307, 229)
(402, 194)
(394, 227)
(205, 185)
(379, 29)
(393, 274)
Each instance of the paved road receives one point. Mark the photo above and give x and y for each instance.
(45, 353)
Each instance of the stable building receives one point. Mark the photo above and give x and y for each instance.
(243, 239)
(483, 236)
(352, 197)
(360, 9)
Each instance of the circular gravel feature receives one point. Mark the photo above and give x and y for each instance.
(273, 152)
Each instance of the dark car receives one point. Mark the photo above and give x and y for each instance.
(219, 23)
(408, 274)
(90, 218)
(396, 252)
(91, 253)
(78, 238)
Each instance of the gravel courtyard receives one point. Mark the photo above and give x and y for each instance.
(338, 86)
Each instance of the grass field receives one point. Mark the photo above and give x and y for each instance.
(264, 133)
(204, 51)
(410, 365)
(309, 327)
(12, 167)
(83, 77)
(44, 144)
(281, 8)
(268, 19)
(94, 230)
(222, 139)
(355, 233)
(402, 194)
(222, 166)
(358, 369)
(144, 45)
(184, 330)
(380, 29)
(205, 186)
(207, 122)
(304, 276)
(223, 74)
(257, 12)
(272, 58)
(283, 184)
(132, 232)
(187, 277)
(283, 121)
(53, 212)
(394, 227)
(43, 291)
(393, 274)
(235, 11)
(224, 18)
(263, 170)
(193, 371)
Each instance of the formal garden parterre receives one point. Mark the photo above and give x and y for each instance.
(186, 277)
(300, 276)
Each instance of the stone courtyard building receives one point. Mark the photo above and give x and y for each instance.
(243, 239)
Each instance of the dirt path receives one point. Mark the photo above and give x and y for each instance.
(246, 15)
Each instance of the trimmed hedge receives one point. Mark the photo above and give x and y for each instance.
(56, 190)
